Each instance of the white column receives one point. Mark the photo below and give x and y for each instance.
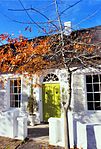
(54, 131)
(97, 132)
(22, 127)
(71, 131)
(81, 136)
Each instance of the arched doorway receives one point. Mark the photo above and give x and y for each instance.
(51, 97)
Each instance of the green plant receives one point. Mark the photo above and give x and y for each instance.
(32, 103)
(7, 147)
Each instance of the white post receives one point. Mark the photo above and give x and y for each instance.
(71, 131)
(97, 132)
(8, 123)
(54, 131)
(81, 136)
(22, 127)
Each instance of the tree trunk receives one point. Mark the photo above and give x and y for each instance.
(66, 129)
(66, 107)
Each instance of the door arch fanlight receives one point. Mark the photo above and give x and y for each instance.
(50, 77)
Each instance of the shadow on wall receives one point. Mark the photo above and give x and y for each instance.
(8, 123)
(91, 139)
(87, 135)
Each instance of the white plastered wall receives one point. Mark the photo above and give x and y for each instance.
(5, 91)
(79, 97)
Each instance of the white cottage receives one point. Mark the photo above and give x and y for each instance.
(16, 90)
(53, 89)
(85, 105)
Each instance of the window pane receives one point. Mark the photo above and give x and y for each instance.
(56, 79)
(16, 100)
(89, 96)
(11, 89)
(11, 82)
(96, 96)
(18, 82)
(16, 97)
(18, 89)
(16, 104)
(96, 87)
(15, 82)
(95, 78)
(89, 88)
(12, 101)
(12, 97)
(97, 106)
(88, 79)
(19, 97)
(15, 89)
(100, 78)
(90, 106)
(100, 87)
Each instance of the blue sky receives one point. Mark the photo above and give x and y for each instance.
(85, 14)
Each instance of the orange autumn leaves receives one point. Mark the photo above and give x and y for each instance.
(21, 55)
(24, 56)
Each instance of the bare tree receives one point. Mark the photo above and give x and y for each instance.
(75, 50)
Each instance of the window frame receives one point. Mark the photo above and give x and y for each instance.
(20, 101)
(92, 83)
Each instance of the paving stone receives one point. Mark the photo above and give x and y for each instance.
(7, 143)
(37, 145)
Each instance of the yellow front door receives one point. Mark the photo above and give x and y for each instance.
(51, 101)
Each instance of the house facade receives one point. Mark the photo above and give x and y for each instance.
(51, 90)
(86, 94)
(52, 87)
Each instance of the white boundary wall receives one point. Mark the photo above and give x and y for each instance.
(83, 135)
(56, 131)
(13, 124)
